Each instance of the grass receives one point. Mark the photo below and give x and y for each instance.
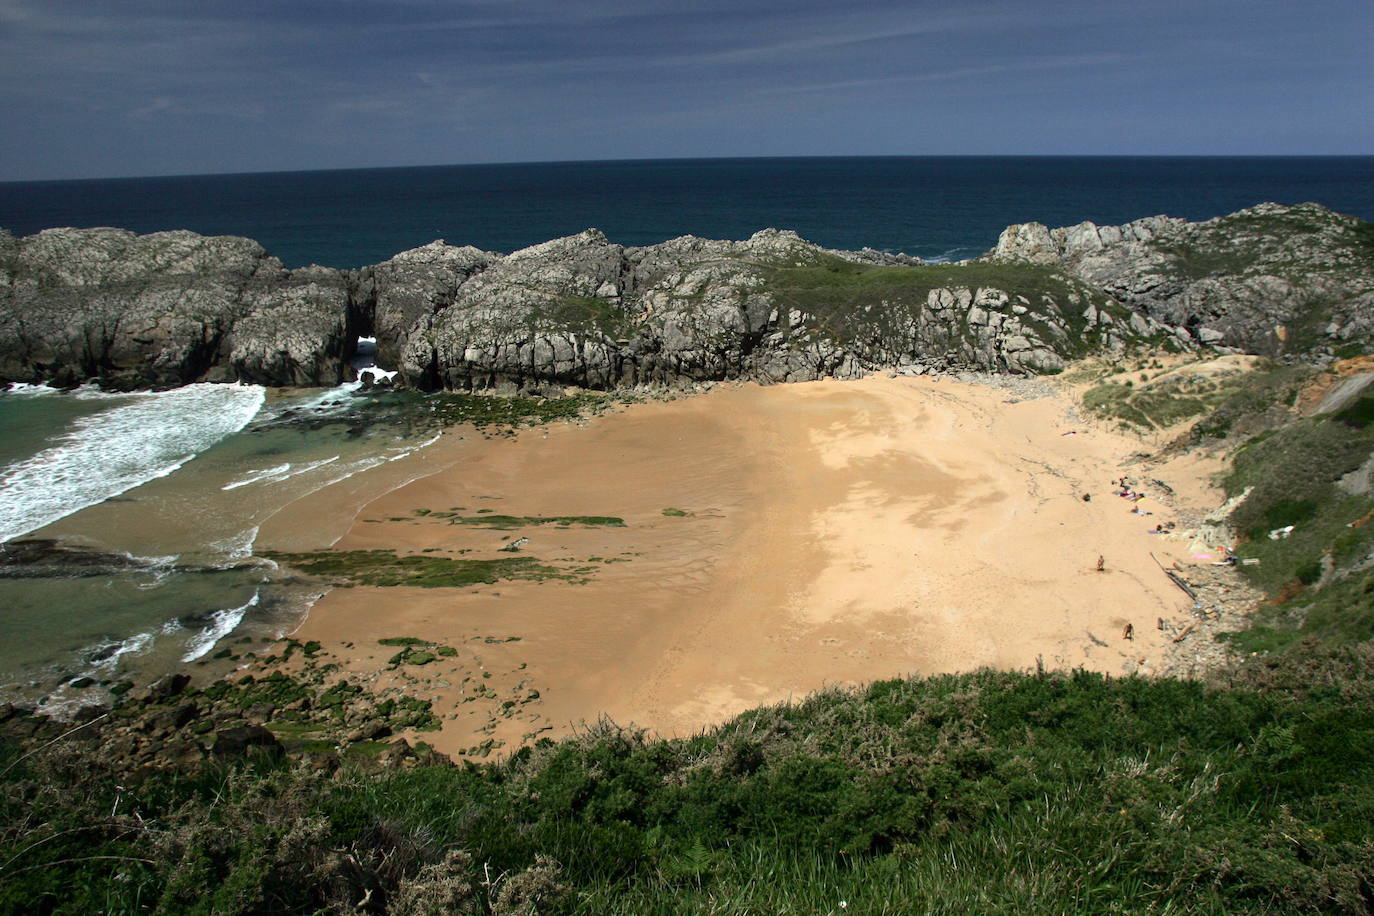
(865, 304)
(1318, 577)
(1241, 244)
(584, 313)
(1164, 400)
(987, 792)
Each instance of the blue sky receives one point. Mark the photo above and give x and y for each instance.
(92, 88)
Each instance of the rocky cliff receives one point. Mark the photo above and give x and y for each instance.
(175, 307)
(165, 309)
(1269, 279)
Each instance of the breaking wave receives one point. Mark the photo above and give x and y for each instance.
(141, 438)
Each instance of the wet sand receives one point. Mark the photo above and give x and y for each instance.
(837, 533)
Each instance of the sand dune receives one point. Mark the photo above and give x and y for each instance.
(837, 533)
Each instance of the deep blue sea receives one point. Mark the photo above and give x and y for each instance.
(935, 207)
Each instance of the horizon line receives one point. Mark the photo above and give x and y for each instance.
(632, 159)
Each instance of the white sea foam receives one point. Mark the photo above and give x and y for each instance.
(159, 567)
(63, 703)
(279, 473)
(134, 645)
(222, 623)
(141, 438)
(364, 362)
(23, 389)
(259, 475)
(238, 546)
(378, 375)
(328, 400)
(952, 255)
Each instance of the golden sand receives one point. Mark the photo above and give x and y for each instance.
(837, 533)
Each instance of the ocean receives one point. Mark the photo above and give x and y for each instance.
(164, 492)
(130, 521)
(943, 208)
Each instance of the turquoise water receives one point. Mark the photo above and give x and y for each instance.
(163, 493)
(935, 207)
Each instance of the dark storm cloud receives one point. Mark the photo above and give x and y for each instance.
(154, 86)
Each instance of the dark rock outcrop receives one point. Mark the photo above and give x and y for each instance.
(244, 740)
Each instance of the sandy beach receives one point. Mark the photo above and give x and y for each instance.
(829, 533)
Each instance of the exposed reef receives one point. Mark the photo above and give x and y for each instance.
(172, 308)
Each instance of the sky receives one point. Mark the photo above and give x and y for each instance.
(104, 88)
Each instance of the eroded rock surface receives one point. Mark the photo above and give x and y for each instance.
(175, 307)
(1268, 279)
(164, 309)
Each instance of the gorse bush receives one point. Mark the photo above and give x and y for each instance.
(1058, 792)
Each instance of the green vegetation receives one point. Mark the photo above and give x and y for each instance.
(411, 657)
(1319, 576)
(1274, 244)
(1163, 399)
(1143, 408)
(676, 513)
(987, 793)
(1260, 401)
(385, 568)
(585, 313)
(440, 410)
(864, 304)
(868, 305)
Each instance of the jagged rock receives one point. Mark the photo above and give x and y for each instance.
(162, 689)
(173, 719)
(1255, 280)
(398, 297)
(369, 731)
(170, 308)
(162, 309)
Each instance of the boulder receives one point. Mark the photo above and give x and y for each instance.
(246, 740)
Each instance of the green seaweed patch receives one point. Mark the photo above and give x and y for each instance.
(411, 656)
(505, 522)
(676, 513)
(420, 411)
(403, 641)
(386, 569)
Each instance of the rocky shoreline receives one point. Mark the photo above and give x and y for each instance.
(172, 308)
(286, 706)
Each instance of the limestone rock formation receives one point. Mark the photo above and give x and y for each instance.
(585, 311)
(163, 309)
(174, 307)
(1268, 279)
